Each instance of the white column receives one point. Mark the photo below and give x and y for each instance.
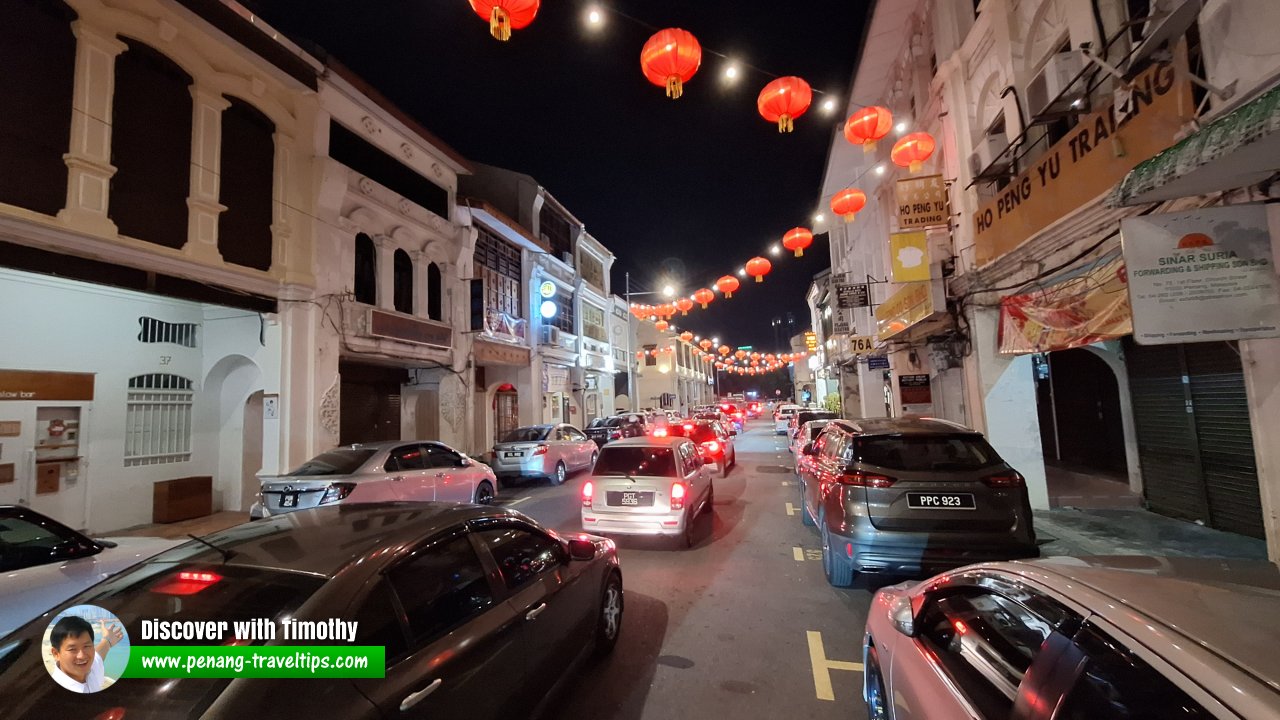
(421, 261)
(206, 160)
(1261, 359)
(288, 257)
(386, 271)
(88, 158)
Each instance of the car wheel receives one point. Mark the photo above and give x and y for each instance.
(877, 707)
(688, 538)
(610, 622)
(560, 474)
(724, 467)
(839, 571)
(484, 494)
(735, 459)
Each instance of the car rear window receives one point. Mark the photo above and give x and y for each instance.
(653, 461)
(527, 434)
(600, 422)
(342, 461)
(920, 453)
(152, 591)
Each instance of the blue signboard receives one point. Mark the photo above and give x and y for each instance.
(877, 362)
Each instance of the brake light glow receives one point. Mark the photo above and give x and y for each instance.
(660, 432)
(1009, 479)
(960, 627)
(858, 478)
(541, 450)
(688, 427)
(677, 496)
(615, 435)
(187, 582)
(588, 491)
(336, 492)
(737, 415)
(711, 446)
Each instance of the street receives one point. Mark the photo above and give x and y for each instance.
(742, 625)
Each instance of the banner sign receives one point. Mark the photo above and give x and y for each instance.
(1202, 275)
(877, 362)
(909, 255)
(1087, 162)
(852, 296)
(915, 389)
(841, 322)
(1086, 306)
(922, 202)
(912, 304)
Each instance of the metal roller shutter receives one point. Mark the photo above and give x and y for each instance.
(1167, 447)
(370, 403)
(1225, 436)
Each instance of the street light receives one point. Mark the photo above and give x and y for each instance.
(668, 291)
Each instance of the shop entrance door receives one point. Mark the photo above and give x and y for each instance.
(507, 417)
(42, 462)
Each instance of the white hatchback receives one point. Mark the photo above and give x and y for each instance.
(647, 486)
(782, 418)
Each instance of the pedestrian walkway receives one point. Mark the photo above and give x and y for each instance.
(1073, 488)
(1076, 531)
(199, 527)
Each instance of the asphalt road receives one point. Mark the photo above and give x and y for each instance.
(743, 625)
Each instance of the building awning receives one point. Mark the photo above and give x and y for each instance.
(1239, 149)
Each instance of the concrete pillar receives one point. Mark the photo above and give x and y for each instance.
(203, 207)
(386, 271)
(88, 158)
(1261, 360)
(421, 263)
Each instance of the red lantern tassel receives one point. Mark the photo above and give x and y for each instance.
(759, 278)
(799, 252)
(675, 88)
(728, 295)
(500, 24)
(785, 124)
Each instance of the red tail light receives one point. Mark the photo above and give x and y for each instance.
(861, 479)
(541, 450)
(738, 415)
(187, 582)
(615, 435)
(1007, 479)
(688, 427)
(588, 491)
(711, 446)
(960, 627)
(677, 496)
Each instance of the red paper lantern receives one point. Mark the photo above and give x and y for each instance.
(796, 240)
(704, 296)
(867, 126)
(848, 202)
(755, 356)
(740, 354)
(724, 350)
(686, 336)
(662, 325)
(758, 267)
(670, 58)
(684, 305)
(727, 285)
(666, 310)
(506, 15)
(912, 150)
(705, 344)
(784, 100)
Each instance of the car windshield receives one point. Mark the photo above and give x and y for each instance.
(341, 461)
(654, 461)
(919, 453)
(532, 433)
(25, 543)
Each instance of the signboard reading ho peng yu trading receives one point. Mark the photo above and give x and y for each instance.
(1089, 160)
(922, 202)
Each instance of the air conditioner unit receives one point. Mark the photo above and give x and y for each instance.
(983, 163)
(550, 335)
(1053, 82)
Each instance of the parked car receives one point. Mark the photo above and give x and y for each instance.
(457, 594)
(543, 451)
(713, 442)
(1078, 639)
(807, 433)
(44, 562)
(803, 416)
(412, 470)
(910, 496)
(782, 418)
(647, 486)
(604, 430)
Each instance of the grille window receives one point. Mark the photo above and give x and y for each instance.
(498, 262)
(158, 420)
(151, 330)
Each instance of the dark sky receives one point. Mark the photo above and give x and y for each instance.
(691, 188)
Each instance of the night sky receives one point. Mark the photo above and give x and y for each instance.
(688, 189)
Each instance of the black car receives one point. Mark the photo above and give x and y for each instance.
(482, 613)
(605, 430)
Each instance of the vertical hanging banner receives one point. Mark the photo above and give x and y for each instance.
(909, 253)
(922, 202)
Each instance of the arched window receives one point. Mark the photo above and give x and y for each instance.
(366, 280)
(247, 187)
(38, 54)
(150, 146)
(435, 290)
(402, 270)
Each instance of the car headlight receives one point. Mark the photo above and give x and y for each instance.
(337, 491)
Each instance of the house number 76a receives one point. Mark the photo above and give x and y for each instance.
(166, 359)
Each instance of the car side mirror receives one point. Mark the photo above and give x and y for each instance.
(809, 449)
(465, 461)
(580, 549)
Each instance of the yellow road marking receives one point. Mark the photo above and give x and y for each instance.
(822, 667)
(798, 553)
(791, 509)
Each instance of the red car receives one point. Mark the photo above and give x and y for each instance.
(712, 440)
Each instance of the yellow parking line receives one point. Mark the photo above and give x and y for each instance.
(822, 667)
(798, 554)
(791, 509)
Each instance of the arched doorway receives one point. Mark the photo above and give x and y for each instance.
(1081, 430)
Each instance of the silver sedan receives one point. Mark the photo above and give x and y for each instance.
(543, 451)
(379, 472)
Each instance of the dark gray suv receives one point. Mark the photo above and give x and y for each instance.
(911, 496)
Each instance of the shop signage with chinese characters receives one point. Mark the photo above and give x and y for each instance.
(852, 296)
(1203, 275)
(922, 202)
(1089, 160)
(915, 389)
(910, 305)
(811, 340)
